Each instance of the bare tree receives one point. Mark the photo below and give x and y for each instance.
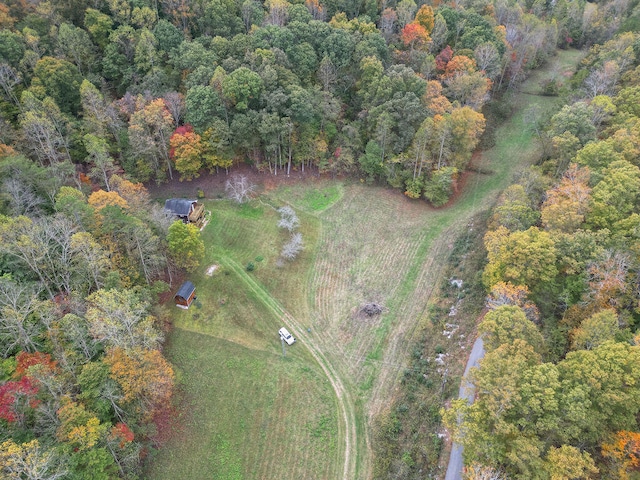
(239, 189)
(175, 104)
(481, 472)
(603, 80)
(288, 218)
(9, 78)
(23, 200)
(291, 249)
(30, 460)
(19, 326)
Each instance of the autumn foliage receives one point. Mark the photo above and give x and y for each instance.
(624, 451)
(24, 360)
(414, 35)
(186, 151)
(15, 397)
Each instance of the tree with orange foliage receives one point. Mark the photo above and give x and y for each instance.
(135, 194)
(566, 204)
(145, 377)
(434, 100)
(624, 451)
(414, 35)
(186, 152)
(459, 65)
(101, 199)
(24, 360)
(607, 279)
(506, 293)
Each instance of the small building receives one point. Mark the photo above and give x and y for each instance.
(189, 211)
(186, 295)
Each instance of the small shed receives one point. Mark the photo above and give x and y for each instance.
(186, 295)
(189, 211)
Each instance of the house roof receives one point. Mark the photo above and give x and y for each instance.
(179, 206)
(186, 290)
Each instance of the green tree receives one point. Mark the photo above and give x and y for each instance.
(594, 331)
(615, 196)
(522, 258)
(185, 245)
(242, 88)
(61, 81)
(76, 46)
(507, 323)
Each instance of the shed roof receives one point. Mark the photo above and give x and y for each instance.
(179, 206)
(186, 290)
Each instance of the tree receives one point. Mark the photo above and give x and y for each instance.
(568, 462)
(624, 450)
(505, 324)
(74, 44)
(594, 331)
(293, 247)
(98, 155)
(567, 203)
(61, 81)
(239, 188)
(607, 278)
(203, 106)
(414, 35)
(502, 294)
(121, 319)
(288, 218)
(242, 88)
(186, 151)
(150, 128)
(99, 117)
(523, 258)
(9, 78)
(30, 461)
(440, 185)
(17, 398)
(45, 129)
(615, 196)
(600, 392)
(513, 210)
(145, 377)
(185, 245)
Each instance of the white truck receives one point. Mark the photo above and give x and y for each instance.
(286, 336)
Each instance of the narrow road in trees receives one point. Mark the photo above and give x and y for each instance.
(467, 391)
(561, 67)
(343, 397)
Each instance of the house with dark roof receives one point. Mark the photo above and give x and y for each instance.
(186, 295)
(189, 211)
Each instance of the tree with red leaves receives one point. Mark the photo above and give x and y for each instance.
(442, 59)
(16, 399)
(24, 360)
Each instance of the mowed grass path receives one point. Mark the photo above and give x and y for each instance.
(252, 414)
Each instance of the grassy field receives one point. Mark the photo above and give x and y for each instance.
(250, 412)
(254, 414)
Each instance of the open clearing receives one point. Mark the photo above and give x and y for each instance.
(250, 413)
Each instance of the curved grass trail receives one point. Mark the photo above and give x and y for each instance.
(348, 412)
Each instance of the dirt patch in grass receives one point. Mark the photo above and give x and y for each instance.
(211, 269)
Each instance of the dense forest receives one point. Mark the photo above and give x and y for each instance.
(559, 386)
(98, 96)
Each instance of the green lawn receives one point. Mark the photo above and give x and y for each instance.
(250, 413)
